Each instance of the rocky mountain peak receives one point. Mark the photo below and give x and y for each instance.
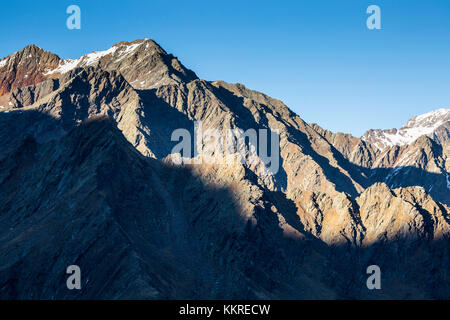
(141, 44)
(143, 63)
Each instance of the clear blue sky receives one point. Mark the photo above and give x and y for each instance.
(315, 55)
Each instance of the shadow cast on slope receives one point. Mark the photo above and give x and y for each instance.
(163, 120)
(160, 141)
(246, 119)
(141, 229)
(435, 184)
(157, 109)
(408, 176)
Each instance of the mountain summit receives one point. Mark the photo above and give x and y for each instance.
(143, 63)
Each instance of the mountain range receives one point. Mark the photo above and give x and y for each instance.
(87, 179)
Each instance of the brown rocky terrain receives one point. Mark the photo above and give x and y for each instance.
(87, 178)
(26, 67)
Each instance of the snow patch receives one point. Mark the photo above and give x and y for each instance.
(84, 61)
(429, 116)
(95, 56)
(64, 66)
(120, 52)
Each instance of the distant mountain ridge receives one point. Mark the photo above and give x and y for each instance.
(434, 124)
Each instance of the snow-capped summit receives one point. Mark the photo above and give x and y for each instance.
(432, 119)
(434, 124)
